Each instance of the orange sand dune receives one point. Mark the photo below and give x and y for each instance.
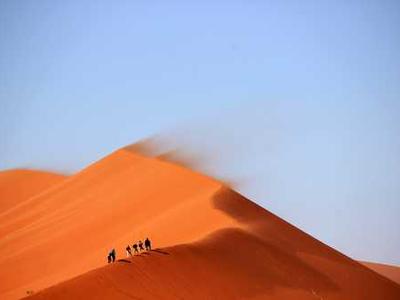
(69, 229)
(391, 272)
(264, 258)
(19, 185)
(218, 242)
(228, 264)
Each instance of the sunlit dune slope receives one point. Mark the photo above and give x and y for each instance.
(391, 272)
(122, 198)
(218, 242)
(19, 185)
(265, 258)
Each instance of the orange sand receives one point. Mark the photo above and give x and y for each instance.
(19, 185)
(391, 272)
(218, 244)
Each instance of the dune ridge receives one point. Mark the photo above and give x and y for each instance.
(389, 271)
(212, 242)
(105, 205)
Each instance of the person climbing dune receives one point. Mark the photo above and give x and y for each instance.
(135, 247)
(128, 251)
(147, 244)
(111, 256)
(141, 246)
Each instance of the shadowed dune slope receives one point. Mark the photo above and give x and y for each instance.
(215, 243)
(391, 272)
(19, 185)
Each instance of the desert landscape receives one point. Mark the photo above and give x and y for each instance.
(254, 144)
(209, 242)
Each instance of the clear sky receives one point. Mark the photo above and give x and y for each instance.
(298, 101)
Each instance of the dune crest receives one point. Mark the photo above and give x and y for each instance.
(212, 242)
(69, 229)
(391, 272)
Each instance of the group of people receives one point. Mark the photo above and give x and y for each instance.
(136, 248)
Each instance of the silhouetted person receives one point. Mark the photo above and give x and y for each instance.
(113, 254)
(141, 246)
(128, 251)
(147, 244)
(135, 247)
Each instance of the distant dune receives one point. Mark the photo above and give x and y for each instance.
(391, 272)
(213, 242)
(19, 185)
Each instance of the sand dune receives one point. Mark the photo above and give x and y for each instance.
(214, 242)
(391, 272)
(19, 185)
(69, 229)
(229, 264)
(264, 259)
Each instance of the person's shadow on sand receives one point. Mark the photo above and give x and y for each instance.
(160, 251)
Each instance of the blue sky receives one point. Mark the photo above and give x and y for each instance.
(298, 101)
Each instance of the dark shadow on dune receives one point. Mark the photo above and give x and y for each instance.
(270, 227)
(160, 251)
(288, 244)
(142, 254)
(124, 261)
(261, 265)
(277, 244)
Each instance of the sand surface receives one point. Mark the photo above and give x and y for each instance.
(17, 186)
(391, 272)
(213, 243)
